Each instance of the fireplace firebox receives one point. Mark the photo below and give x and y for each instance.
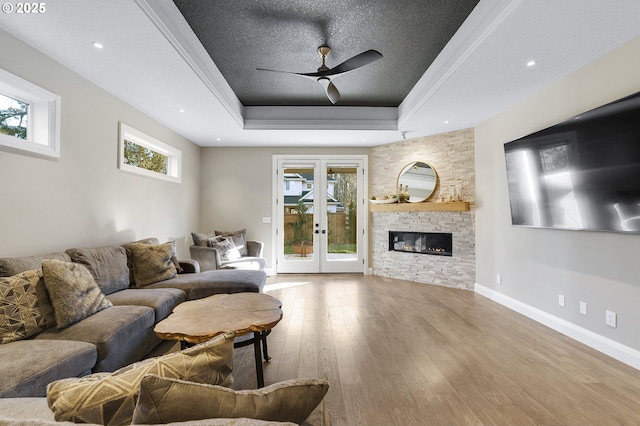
(433, 243)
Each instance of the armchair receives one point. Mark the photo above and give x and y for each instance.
(211, 258)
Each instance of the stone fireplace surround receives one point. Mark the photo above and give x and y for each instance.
(452, 155)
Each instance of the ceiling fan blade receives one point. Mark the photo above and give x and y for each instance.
(307, 75)
(332, 91)
(365, 58)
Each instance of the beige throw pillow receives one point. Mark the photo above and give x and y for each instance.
(110, 398)
(164, 400)
(74, 293)
(20, 312)
(152, 263)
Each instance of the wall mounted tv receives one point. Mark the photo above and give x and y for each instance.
(582, 174)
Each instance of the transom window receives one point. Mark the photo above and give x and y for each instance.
(14, 117)
(147, 156)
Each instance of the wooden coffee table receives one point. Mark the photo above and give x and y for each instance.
(201, 320)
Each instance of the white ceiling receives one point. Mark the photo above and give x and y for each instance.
(152, 60)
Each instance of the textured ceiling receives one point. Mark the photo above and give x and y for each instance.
(153, 60)
(285, 34)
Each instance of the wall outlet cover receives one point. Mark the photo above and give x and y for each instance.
(612, 319)
(561, 300)
(583, 308)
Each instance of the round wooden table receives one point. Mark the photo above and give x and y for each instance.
(201, 320)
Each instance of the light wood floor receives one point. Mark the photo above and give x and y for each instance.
(402, 353)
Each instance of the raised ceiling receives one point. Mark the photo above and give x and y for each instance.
(153, 60)
(285, 34)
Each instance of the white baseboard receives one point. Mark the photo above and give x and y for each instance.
(600, 343)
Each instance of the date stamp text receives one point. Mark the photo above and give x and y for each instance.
(22, 8)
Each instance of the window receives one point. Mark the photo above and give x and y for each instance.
(29, 117)
(141, 154)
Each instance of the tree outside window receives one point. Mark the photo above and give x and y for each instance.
(14, 116)
(145, 158)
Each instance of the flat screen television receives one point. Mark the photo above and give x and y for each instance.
(581, 174)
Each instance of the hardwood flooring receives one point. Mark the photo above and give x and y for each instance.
(402, 353)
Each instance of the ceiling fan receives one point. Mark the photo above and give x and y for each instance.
(324, 72)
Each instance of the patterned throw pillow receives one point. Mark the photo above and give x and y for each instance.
(239, 239)
(20, 313)
(227, 248)
(165, 400)
(110, 398)
(74, 293)
(152, 263)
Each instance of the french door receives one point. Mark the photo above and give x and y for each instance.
(320, 213)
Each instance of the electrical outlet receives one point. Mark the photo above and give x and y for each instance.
(612, 319)
(498, 279)
(561, 300)
(583, 308)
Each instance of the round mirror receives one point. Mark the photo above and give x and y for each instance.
(421, 180)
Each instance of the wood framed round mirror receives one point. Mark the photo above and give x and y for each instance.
(421, 178)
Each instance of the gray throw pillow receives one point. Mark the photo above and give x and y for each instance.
(226, 247)
(202, 238)
(108, 265)
(164, 400)
(152, 263)
(74, 293)
(239, 239)
(110, 398)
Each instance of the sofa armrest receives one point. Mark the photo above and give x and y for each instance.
(189, 266)
(208, 257)
(254, 248)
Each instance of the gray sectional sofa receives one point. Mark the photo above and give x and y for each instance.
(119, 334)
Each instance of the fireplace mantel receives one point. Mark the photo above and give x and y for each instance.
(454, 206)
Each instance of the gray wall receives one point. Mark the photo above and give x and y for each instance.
(600, 268)
(236, 188)
(83, 199)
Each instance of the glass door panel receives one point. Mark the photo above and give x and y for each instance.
(342, 214)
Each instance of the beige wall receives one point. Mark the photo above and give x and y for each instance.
(236, 189)
(600, 268)
(83, 199)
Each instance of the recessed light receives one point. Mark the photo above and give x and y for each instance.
(98, 45)
(180, 110)
(364, 140)
(531, 63)
(446, 121)
(218, 139)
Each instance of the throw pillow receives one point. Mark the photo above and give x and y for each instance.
(110, 398)
(20, 313)
(226, 247)
(73, 291)
(152, 263)
(164, 400)
(202, 238)
(108, 265)
(239, 239)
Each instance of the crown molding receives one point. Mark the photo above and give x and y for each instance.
(168, 20)
(482, 22)
(320, 118)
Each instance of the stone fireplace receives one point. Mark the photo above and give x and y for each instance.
(452, 156)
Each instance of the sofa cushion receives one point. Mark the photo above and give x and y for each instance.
(10, 266)
(110, 398)
(164, 400)
(108, 265)
(109, 330)
(208, 283)
(74, 293)
(20, 313)
(162, 300)
(152, 263)
(29, 365)
(239, 239)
